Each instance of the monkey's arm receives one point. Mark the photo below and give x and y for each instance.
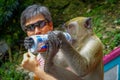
(54, 70)
(85, 60)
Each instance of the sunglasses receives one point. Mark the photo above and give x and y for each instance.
(39, 24)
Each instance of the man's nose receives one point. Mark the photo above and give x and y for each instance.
(37, 30)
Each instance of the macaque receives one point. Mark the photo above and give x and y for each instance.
(83, 55)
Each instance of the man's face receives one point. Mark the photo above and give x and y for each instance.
(38, 25)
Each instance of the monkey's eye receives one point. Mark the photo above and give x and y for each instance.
(70, 26)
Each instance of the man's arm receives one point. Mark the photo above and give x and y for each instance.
(42, 75)
(30, 63)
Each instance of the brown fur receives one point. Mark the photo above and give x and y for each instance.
(83, 55)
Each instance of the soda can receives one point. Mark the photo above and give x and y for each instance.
(39, 42)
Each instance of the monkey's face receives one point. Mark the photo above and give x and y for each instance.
(72, 29)
(77, 27)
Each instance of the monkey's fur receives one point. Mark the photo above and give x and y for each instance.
(83, 55)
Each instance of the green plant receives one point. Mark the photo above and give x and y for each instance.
(8, 72)
(116, 40)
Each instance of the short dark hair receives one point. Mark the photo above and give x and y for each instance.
(34, 10)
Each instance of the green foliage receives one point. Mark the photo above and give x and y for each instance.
(117, 21)
(6, 9)
(57, 10)
(112, 1)
(8, 72)
(116, 40)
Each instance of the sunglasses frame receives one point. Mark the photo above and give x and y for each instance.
(40, 24)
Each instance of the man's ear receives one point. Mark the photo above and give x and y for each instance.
(88, 23)
(51, 26)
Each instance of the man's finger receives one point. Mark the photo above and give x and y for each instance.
(31, 55)
(26, 56)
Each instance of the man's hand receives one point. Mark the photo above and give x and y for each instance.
(29, 62)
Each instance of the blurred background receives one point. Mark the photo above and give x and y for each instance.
(105, 16)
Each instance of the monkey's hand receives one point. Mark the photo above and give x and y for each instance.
(53, 47)
(62, 38)
(28, 42)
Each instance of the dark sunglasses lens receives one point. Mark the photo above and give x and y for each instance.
(30, 28)
(42, 24)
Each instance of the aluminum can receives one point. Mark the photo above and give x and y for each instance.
(39, 42)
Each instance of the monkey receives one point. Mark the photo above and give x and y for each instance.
(83, 54)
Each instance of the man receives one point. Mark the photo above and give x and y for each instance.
(36, 20)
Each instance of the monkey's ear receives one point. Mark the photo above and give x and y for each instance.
(88, 23)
